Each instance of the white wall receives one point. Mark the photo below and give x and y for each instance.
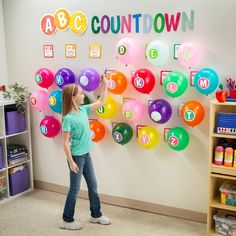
(3, 59)
(162, 176)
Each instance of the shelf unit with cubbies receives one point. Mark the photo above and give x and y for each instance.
(9, 169)
(218, 174)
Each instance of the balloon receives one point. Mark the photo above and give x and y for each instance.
(89, 79)
(117, 82)
(64, 76)
(178, 138)
(188, 54)
(160, 111)
(206, 81)
(148, 137)
(97, 130)
(39, 100)
(108, 110)
(175, 84)
(122, 133)
(133, 111)
(128, 50)
(143, 81)
(55, 101)
(157, 52)
(50, 127)
(86, 100)
(44, 77)
(192, 113)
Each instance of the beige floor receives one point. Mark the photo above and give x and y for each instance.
(39, 212)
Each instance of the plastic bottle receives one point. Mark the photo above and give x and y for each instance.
(219, 155)
(228, 157)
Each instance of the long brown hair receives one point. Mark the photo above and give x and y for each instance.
(68, 92)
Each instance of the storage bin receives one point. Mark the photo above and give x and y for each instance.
(1, 157)
(228, 194)
(224, 221)
(18, 179)
(15, 121)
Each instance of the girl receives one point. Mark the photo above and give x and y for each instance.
(77, 145)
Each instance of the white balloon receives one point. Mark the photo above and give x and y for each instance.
(157, 52)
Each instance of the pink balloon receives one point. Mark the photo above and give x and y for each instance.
(133, 111)
(44, 77)
(128, 50)
(188, 54)
(50, 127)
(39, 100)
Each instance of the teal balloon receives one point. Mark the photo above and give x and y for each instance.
(206, 81)
(55, 101)
(122, 133)
(178, 138)
(86, 100)
(175, 84)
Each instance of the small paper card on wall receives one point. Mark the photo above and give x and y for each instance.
(163, 73)
(192, 74)
(95, 51)
(70, 50)
(166, 130)
(138, 127)
(176, 48)
(48, 51)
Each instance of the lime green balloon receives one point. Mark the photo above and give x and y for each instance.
(175, 84)
(178, 138)
(122, 133)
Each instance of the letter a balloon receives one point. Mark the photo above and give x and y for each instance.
(143, 81)
(148, 137)
(178, 139)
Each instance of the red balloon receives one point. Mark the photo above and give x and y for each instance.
(50, 127)
(143, 81)
(97, 131)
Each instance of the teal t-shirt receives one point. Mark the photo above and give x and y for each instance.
(78, 126)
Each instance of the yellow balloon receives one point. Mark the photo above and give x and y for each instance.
(108, 110)
(148, 137)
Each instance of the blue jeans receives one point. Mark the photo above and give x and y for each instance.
(85, 165)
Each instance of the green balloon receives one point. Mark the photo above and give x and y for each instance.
(178, 138)
(122, 133)
(86, 100)
(175, 84)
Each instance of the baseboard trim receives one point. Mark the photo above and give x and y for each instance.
(130, 203)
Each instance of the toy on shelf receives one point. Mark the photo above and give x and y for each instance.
(231, 85)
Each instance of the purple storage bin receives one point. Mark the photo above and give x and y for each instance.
(19, 181)
(1, 157)
(15, 122)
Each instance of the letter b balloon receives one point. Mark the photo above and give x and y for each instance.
(50, 127)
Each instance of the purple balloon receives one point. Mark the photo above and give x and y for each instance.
(160, 111)
(89, 79)
(64, 76)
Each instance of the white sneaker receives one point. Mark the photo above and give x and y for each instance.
(70, 225)
(100, 220)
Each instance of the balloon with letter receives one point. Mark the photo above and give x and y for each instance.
(192, 113)
(108, 110)
(178, 139)
(50, 127)
(117, 82)
(97, 130)
(175, 84)
(157, 52)
(122, 133)
(39, 100)
(148, 137)
(55, 101)
(143, 81)
(44, 77)
(206, 81)
(64, 76)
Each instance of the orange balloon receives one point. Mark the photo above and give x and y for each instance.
(192, 113)
(97, 130)
(117, 82)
